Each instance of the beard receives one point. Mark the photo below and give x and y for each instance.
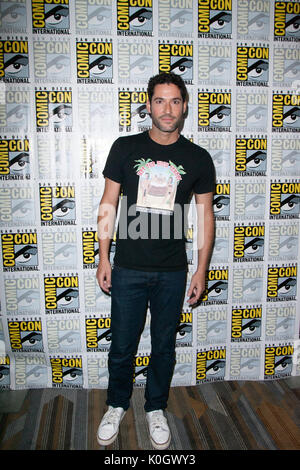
(170, 126)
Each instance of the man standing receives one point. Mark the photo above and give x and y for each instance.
(150, 263)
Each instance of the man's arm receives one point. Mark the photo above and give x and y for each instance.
(105, 228)
(205, 239)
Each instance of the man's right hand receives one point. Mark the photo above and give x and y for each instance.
(103, 275)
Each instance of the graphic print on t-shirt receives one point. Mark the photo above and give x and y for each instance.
(157, 185)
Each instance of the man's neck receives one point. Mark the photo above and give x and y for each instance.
(163, 138)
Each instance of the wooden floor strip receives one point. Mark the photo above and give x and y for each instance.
(212, 416)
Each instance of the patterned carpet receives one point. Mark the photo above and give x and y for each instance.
(212, 416)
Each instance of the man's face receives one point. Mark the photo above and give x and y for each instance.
(166, 107)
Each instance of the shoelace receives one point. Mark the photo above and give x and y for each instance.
(111, 417)
(158, 421)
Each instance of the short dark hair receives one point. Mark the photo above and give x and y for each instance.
(169, 78)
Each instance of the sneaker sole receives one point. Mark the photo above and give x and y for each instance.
(163, 446)
(107, 442)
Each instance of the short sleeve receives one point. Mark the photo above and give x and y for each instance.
(205, 182)
(114, 163)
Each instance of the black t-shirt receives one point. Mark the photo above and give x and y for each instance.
(157, 183)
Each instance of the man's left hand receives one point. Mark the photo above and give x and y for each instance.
(197, 287)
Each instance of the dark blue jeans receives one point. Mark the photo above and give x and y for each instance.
(131, 291)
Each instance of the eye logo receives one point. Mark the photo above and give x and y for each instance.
(98, 334)
(214, 111)
(184, 332)
(57, 205)
(248, 243)
(252, 66)
(177, 58)
(26, 335)
(286, 112)
(94, 62)
(19, 251)
(61, 294)
(51, 16)
(246, 324)
(214, 19)
(284, 200)
(278, 361)
(282, 283)
(216, 291)
(67, 372)
(133, 114)
(133, 20)
(221, 201)
(14, 61)
(14, 159)
(210, 365)
(286, 21)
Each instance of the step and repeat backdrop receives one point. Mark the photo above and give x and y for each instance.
(73, 78)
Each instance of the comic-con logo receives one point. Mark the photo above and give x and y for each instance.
(176, 58)
(214, 19)
(284, 200)
(133, 114)
(14, 159)
(210, 365)
(252, 109)
(14, 61)
(283, 240)
(246, 323)
(53, 110)
(59, 249)
(286, 21)
(98, 334)
(22, 294)
(25, 335)
(214, 111)
(94, 62)
(250, 156)
(52, 60)
(61, 294)
(184, 332)
(285, 156)
(252, 67)
(134, 17)
(282, 283)
(93, 17)
(19, 251)
(135, 61)
(50, 16)
(17, 205)
(66, 372)
(216, 291)
(175, 18)
(15, 110)
(278, 361)
(141, 363)
(280, 321)
(221, 201)
(214, 63)
(90, 249)
(57, 205)
(286, 112)
(248, 244)
(253, 19)
(286, 65)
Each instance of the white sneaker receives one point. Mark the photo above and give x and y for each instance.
(160, 435)
(109, 426)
